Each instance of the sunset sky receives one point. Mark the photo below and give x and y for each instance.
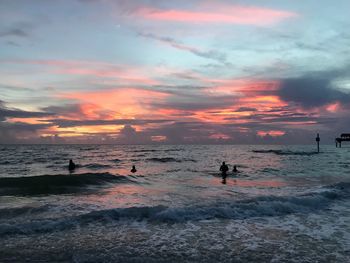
(181, 71)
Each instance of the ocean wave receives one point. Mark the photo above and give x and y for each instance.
(143, 151)
(286, 152)
(116, 160)
(41, 160)
(55, 184)
(154, 150)
(173, 150)
(263, 206)
(4, 162)
(269, 170)
(20, 211)
(83, 149)
(169, 159)
(96, 166)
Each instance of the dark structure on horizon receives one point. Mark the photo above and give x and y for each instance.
(344, 137)
(318, 142)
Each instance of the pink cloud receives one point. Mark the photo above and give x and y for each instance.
(125, 74)
(119, 103)
(130, 76)
(273, 133)
(220, 14)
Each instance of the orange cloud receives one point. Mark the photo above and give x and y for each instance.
(250, 94)
(125, 103)
(28, 120)
(219, 14)
(158, 138)
(219, 136)
(240, 86)
(86, 130)
(270, 133)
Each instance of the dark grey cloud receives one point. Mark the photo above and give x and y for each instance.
(64, 109)
(11, 132)
(23, 127)
(17, 32)
(76, 110)
(193, 102)
(282, 119)
(20, 30)
(208, 54)
(6, 112)
(291, 119)
(12, 43)
(190, 98)
(129, 135)
(244, 109)
(310, 91)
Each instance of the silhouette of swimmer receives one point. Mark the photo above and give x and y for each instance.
(235, 169)
(223, 169)
(133, 170)
(71, 165)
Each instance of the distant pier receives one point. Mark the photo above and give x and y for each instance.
(344, 137)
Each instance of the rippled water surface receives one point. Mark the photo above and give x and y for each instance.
(286, 204)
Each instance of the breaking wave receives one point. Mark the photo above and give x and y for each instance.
(266, 206)
(286, 152)
(56, 184)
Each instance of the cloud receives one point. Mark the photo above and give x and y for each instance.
(6, 112)
(64, 123)
(115, 73)
(285, 119)
(195, 102)
(129, 135)
(19, 131)
(216, 13)
(65, 110)
(210, 54)
(20, 30)
(245, 109)
(311, 91)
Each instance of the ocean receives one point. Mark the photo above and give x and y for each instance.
(286, 203)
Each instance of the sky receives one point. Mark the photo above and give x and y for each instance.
(174, 72)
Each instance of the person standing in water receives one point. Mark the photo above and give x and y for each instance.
(133, 169)
(224, 169)
(71, 166)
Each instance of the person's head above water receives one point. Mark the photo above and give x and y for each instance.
(223, 163)
(133, 169)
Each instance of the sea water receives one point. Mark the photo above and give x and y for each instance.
(286, 204)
